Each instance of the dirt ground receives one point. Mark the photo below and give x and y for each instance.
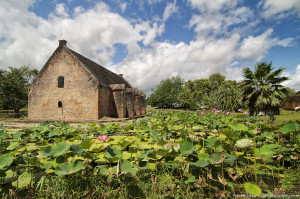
(26, 123)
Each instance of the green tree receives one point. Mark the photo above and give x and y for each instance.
(262, 90)
(194, 93)
(165, 95)
(216, 80)
(14, 87)
(226, 97)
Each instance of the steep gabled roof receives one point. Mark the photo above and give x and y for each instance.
(104, 76)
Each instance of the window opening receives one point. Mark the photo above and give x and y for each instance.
(59, 104)
(60, 82)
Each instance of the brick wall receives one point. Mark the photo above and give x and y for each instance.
(79, 97)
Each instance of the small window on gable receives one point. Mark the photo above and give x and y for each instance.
(60, 82)
(59, 104)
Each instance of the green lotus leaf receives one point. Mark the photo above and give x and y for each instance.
(60, 149)
(200, 163)
(229, 159)
(104, 169)
(287, 128)
(77, 149)
(87, 144)
(269, 135)
(267, 150)
(5, 160)
(23, 180)
(154, 135)
(3, 135)
(125, 166)
(34, 161)
(210, 142)
(203, 156)
(216, 158)
(47, 151)
(18, 135)
(187, 148)
(244, 143)
(13, 146)
(66, 169)
(113, 154)
(190, 179)
(126, 155)
(252, 189)
(238, 127)
(178, 127)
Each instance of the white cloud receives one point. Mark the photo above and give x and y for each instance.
(222, 40)
(280, 8)
(60, 10)
(29, 39)
(294, 79)
(211, 6)
(256, 47)
(169, 10)
(123, 7)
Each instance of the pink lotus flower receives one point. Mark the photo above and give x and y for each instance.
(246, 113)
(202, 113)
(239, 110)
(66, 120)
(103, 138)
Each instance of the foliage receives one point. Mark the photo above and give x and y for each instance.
(194, 93)
(14, 87)
(211, 153)
(226, 98)
(165, 94)
(262, 89)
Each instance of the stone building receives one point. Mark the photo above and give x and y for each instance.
(292, 102)
(72, 86)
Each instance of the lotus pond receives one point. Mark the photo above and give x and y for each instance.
(203, 153)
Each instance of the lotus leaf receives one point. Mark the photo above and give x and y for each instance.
(238, 127)
(187, 148)
(3, 135)
(66, 169)
(210, 142)
(125, 166)
(203, 156)
(60, 149)
(23, 180)
(287, 128)
(244, 143)
(13, 146)
(216, 158)
(5, 160)
(77, 149)
(252, 189)
(201, 163)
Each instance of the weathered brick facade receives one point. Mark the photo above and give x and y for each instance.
(74, 87)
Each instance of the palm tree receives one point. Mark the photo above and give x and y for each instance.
(262, 90)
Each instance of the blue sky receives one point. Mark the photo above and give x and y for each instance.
(151, 40)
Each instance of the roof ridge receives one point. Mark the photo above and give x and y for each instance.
(102, 74)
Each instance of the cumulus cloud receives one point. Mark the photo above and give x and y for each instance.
(169, 10)
(294, 79)
(222, 40)
(281, 9)
(123, 7)
(91, 32)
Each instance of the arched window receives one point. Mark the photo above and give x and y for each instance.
(59, 104)
(60, 82)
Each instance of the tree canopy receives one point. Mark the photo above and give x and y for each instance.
(14, 87)
(262, 90)
(165, 95)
